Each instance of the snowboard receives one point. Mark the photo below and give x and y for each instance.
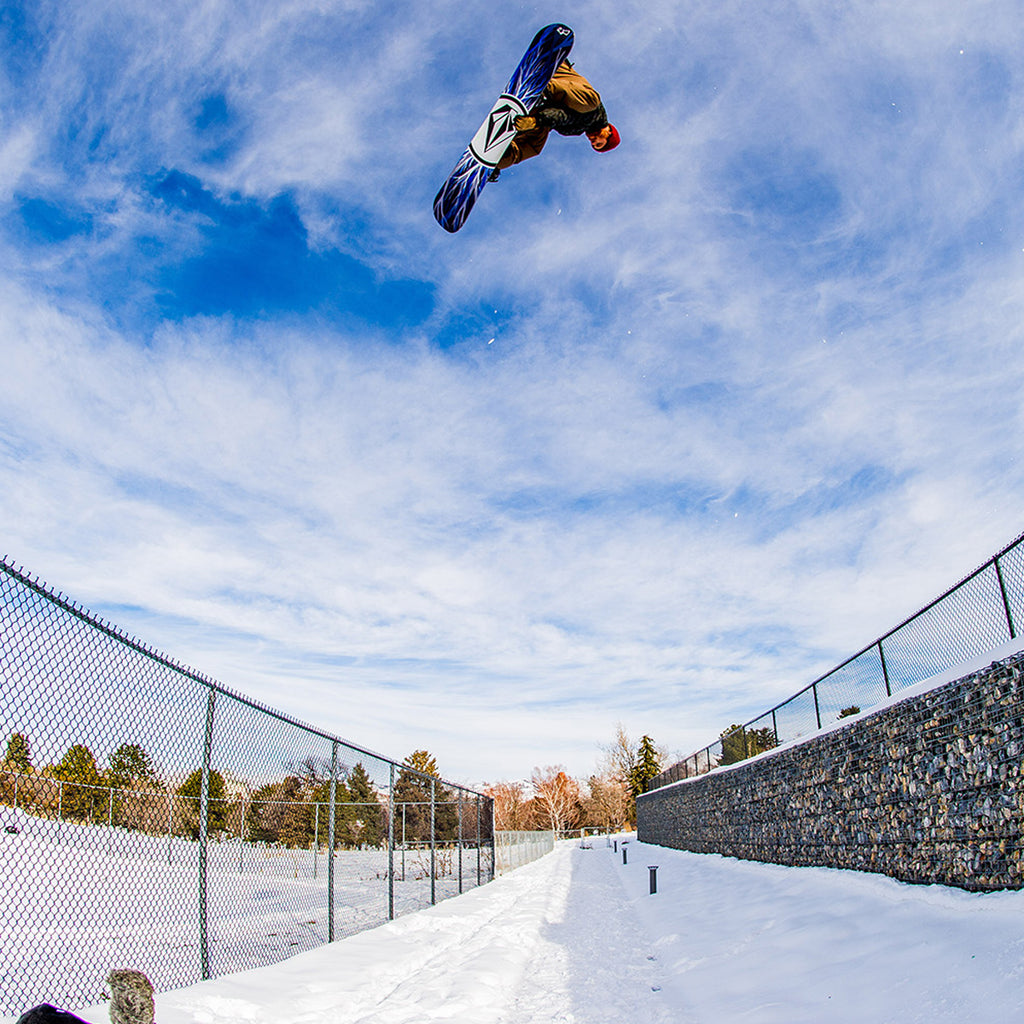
(550, 46)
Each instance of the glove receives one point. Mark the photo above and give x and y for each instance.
(525, 124)
(545, 117)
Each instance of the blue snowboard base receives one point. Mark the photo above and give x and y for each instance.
(550, 46)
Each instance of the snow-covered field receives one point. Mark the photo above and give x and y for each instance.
(576, 937)
(76, 898)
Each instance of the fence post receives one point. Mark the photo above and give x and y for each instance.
(110, 820)
(391, 844)
(332, 801)
(204, 829)
(316, 836)
(775, 727)
(478, 852)
(460, 842)
(433, 845)
(817, 710)
(885, 669)
(170, 823)
(494, 838)
(1006, 603)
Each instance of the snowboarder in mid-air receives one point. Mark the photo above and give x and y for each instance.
(543, 95)
(570, 105)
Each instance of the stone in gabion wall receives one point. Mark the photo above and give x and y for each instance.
(926, 790)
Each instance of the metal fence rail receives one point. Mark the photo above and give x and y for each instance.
(152, 818)
(981, 611)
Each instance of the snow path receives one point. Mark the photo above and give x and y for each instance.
(575, 938)
(540, 945)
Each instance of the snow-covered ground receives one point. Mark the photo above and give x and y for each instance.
(576, 937)
(74, 898)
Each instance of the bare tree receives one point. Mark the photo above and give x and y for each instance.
(627, 762)
(511, 812)
(620, 756)
(608, 804)
(557, 796)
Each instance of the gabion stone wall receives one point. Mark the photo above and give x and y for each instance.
(926, 790)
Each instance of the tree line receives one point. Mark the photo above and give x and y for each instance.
(606, 800)
(292, 811)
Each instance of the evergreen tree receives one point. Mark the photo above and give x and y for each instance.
(18, 758)
(739, 743)
(83, 797)
(343, 811)
(130, 775)
(366, 825)
(314, 774)
(733, 745)
(282, 812)
(760, 740)
(410, 814)
(647, 765)
(446, 815)
(423, 761)
(188, 808)
(259, 824)
(130, 764)
(412, 802)
(297, 827)
(17, 761)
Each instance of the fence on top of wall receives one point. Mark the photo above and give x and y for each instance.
(976, 615)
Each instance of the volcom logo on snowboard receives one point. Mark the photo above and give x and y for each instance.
(455, 198)
(491, 140)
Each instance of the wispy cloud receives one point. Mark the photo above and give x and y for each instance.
(656, 438)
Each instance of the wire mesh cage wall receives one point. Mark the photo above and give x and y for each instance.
(980, 612)
(151, 818)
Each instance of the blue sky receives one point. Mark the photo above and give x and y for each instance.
(657, 438)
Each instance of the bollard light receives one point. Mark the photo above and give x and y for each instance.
(653, 868)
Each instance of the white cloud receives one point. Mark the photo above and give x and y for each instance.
(17, 150)
(711, 451)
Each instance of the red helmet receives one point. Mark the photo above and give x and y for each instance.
(613, 140)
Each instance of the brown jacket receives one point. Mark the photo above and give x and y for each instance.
(568, 90)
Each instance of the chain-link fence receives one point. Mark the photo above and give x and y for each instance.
(973, 617)
(514, 849)
(151, 818)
